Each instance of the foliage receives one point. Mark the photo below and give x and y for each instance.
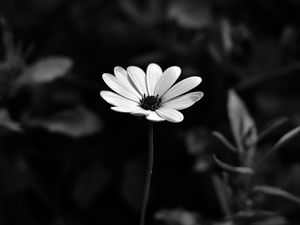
(242, 181)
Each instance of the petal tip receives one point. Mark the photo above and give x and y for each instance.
(199, 80)
(130, 68)
(106, 76)
(179, 120)
(197, 96)
(119, 69)
(101, 93)
(201, 94)
(153, 64)
(170, 115)
(176, 68)
(104, 94)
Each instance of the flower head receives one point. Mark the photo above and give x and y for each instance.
(151, 94)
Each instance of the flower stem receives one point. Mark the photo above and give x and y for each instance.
(149, 172)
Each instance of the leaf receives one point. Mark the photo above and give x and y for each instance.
(287, 137)
(7, 122)
(149, 15)
(177, 216)
(75, 122)
(282, 141)
(190, 14)
(269, 190)
(273, 126)
(45, 70)
(197, 140)
(272, 220)
(11, 63)
(202, 164)
(11, 52)
(223, 195)
(242, 124)
(232, 169)
(258, 217)
(224, 141)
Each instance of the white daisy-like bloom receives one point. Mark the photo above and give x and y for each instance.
(151, 94)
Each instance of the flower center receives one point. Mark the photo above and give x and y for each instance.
(150, 102)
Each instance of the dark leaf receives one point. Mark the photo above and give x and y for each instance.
(232, 169)
(272, 220)
(197, 141)
(269, 190)
(7, 122)
(223, 195)
(225, 141)
(202, 164)
(287, 137)
(177, 216)
(242, 124)
(190, 14)
(258, 217)
(74, 122)
(146, 17)
(45, 70)
(273, 126)
(282, 141)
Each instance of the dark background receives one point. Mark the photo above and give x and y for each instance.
(66, 158)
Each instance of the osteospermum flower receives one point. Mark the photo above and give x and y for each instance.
(151, 94)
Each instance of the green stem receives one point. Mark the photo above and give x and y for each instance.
(222, 195)
(149, 172)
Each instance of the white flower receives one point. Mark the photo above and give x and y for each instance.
(151, 94)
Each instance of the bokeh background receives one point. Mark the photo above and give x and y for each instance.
(67, 159)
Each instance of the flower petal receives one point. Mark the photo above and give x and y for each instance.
(122, 109)
(119, 87)
(120, 72)
(171, 115)
(167, 79)
(117, 100)
(122, 76)
(138, 77)
(140, 112)
(137, 111)
(184, 101)
(182, 87)
(154, 72)
(153, 116)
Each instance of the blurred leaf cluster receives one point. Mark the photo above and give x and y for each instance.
(71, 119)
(238, 188)
(239, 185)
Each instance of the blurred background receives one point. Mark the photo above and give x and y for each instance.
(67, 159)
